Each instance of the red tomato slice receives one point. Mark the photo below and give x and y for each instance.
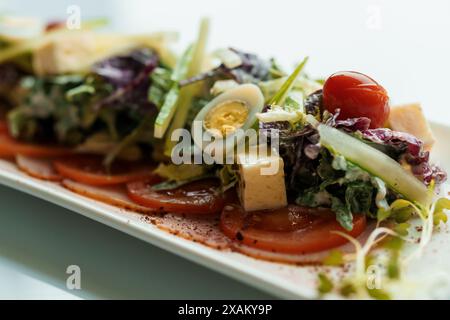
(293, 229)
(9, 147)
(3, 127)
(199, 197)
(90, 170)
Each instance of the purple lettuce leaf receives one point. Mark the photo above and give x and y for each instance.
(252, 67)
(349, 125)
(129, 77)
(251, 70)
(411, 152)
(314, 102)
(401, 146)
(10, 75)
(299, 148)
(121, 70)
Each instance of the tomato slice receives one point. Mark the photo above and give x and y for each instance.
(292, 229)
(9, 147)
(199, 197)
(4, 127)
(89, 169)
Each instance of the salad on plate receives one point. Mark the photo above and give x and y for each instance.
(227, 149)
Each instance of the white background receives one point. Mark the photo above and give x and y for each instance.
(404, 45)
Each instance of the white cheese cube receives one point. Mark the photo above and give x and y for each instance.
(64, 54)
(409, 118)
(261, 184)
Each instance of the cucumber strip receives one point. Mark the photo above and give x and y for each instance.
(167, 111)
(189, 92)
(281, 95)
(376, 163)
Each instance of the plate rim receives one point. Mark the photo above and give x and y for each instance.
(200, 254)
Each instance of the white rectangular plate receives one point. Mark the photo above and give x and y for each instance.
(285, 281)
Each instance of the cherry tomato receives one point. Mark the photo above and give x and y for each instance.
(293, 229)
(199, 197)
(89, 169)
(356, 95)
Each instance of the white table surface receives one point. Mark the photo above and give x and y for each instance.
(402, 44)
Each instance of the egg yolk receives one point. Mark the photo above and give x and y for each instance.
(227, 117)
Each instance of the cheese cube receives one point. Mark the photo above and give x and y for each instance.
(261, 184)
(64, 54)
(409, 118)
